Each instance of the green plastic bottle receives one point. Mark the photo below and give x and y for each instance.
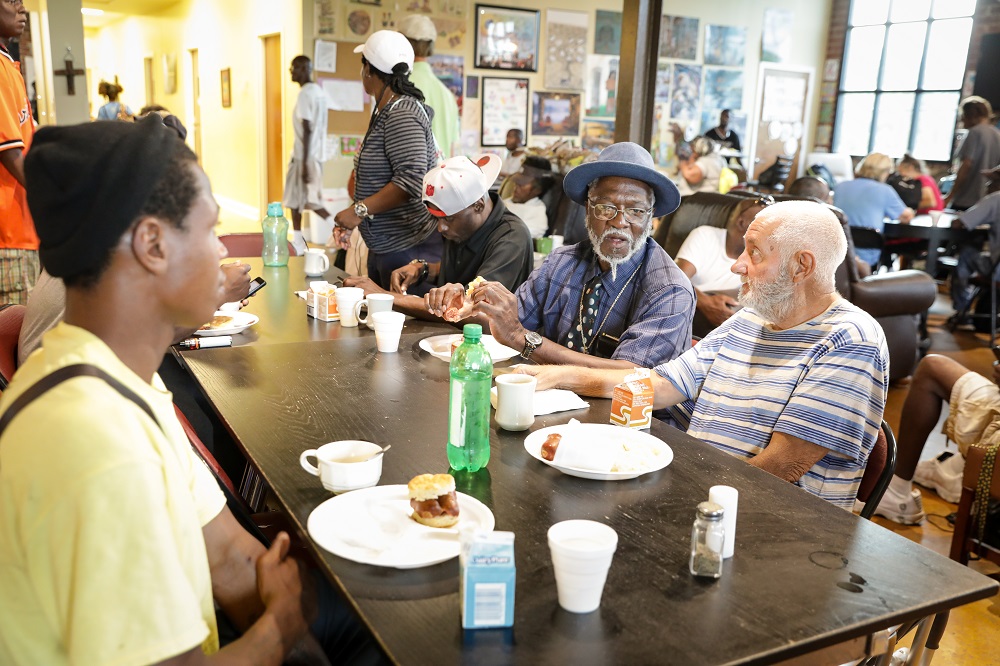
(275, 228)
(469, 403)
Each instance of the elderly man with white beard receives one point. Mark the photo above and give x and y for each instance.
(796, 381)
(615, 301)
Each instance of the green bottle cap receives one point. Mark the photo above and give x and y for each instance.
(274, 209)
(472, 331)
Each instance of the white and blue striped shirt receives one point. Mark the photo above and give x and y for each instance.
(824, 381)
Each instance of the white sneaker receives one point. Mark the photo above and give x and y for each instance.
(942, 475)
(300, 246)
(899, 509)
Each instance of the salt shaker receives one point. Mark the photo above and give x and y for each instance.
(707, 539)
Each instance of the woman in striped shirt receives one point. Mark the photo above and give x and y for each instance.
(389, 168)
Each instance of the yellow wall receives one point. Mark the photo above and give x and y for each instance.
(227, 34)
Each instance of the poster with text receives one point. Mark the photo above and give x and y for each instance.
(504, 107)
(725, 45)
(679, 37)
(325, 18)
(686, 94)
(608, 33)
(565, 49)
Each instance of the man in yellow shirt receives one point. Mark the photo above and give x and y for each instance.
(114, 538)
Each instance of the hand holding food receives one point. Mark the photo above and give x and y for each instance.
(460, 311)
(433, 499)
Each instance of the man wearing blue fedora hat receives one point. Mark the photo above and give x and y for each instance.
(615, 301)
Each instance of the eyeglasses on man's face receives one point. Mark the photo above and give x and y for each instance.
(608, 212)
(763, 200)
(14, 3)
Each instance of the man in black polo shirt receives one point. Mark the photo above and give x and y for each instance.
(481, 238)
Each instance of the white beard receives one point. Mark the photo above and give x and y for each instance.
(634, 246)
(773, 301)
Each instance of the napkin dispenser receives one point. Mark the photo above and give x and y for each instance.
(632, 401)
(487, 577)
(321, 301)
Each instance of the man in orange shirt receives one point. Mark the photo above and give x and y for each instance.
(18, 242)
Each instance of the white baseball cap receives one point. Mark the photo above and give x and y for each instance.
(385, 49)
(459, 182)
(419, 28)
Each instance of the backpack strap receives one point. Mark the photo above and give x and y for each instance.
(69, 372)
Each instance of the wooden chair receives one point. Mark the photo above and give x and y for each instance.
(878, 472)
(964, 539)
(11, 318)
(248, 245)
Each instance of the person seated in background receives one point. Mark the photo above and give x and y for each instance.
(614, 301)
(701, 170)
(973, 403)
(971, 259)
(530, 184)
(868, 201)
(707, 257)
(912, 169)
(796, 381)
(119, 548)
(515, 153)
(817, 188)
(725, 137)
(481, 239)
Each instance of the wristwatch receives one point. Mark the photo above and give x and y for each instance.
(361, 210)
(532, 341)
(424, 270)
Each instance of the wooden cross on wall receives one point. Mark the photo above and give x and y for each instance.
(69, 73)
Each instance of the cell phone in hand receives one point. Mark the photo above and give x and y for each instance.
(256, 285)
(996, 353)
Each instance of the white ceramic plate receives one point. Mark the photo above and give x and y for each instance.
(241, 321)
(373, 526)
(439, 346)
(611, 434)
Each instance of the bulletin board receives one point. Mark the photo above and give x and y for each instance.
(781, 113)
(348, 67)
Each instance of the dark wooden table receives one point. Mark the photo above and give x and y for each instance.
(805, 576)
(921, 226)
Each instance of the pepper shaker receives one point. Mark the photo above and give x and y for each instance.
(707, 540)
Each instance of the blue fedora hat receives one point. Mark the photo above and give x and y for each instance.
(628, 160)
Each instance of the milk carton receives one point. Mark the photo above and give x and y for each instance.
(321, 301)
(486, 579)
(632, 401)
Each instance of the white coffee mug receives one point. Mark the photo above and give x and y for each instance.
(316, 261)
(344, 466)
(515, 401)
(374, 303)
(347, 297)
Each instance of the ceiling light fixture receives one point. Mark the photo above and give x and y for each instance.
(88, 11)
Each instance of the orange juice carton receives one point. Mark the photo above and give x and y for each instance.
(632, 401)
(321, 301)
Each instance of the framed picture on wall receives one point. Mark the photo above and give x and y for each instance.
(227, 95)
(555, 114)
(507, 38)
(504, 107)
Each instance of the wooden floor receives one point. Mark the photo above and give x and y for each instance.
(973, 633)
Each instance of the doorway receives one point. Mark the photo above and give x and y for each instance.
(196, 99)
(274, 154)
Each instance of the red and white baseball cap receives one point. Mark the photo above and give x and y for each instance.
(385, 49)
(459, 182)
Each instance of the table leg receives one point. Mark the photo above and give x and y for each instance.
(932, 251)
